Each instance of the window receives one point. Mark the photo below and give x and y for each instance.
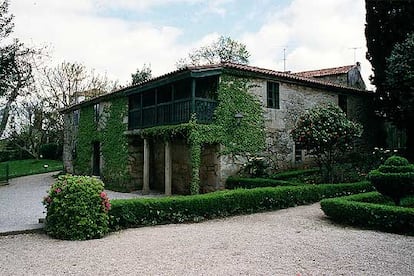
(182, 89)
(207, 87)
(148, 98)
(96, 112)
(164, 94)
(76, 117)
(298, 153)
(273, 95)
(343, 103)
(135, 102)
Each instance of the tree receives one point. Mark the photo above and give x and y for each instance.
(141, 75)
(15, 70)
(326, 133)
(35, 119)
(399, 81)
(387, 22)
(68, 82)
(224, 49)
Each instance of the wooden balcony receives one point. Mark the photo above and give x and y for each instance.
(170, 113)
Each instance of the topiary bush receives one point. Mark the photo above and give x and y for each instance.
(394, 179)
(77, 208)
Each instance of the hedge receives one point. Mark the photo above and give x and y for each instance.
(139, 212)
(370, 210)
(249, 183)
(295, 173)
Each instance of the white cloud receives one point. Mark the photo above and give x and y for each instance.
(110, 45)
(316, 34)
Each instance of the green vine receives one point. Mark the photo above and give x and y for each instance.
(87, 133)
(248, 136)
(115, 145)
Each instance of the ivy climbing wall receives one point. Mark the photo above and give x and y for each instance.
(109, 132)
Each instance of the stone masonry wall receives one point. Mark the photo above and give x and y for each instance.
(294, 100)
(136, 160)
(210, 169)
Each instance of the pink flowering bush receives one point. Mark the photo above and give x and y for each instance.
(327, 134)
(77, 208)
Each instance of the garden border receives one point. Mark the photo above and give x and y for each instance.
(179, 209)
(365, 210)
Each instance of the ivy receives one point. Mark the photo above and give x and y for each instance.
(115, 144)
(87, 133)
(248, 137)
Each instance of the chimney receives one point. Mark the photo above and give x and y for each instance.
(358, 65)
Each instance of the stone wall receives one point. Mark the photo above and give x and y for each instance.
(136, 160)
(294, 100)
(181, 167)
(210, 169)
(341, 79)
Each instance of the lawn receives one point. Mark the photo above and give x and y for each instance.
(28, 167)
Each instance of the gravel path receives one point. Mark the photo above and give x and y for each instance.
(295, 241)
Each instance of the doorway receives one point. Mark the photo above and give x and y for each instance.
(96, 162)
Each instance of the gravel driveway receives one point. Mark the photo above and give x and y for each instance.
(295, 241)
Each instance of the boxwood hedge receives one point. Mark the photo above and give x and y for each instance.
(177, 209)
(370, 210)
(249, 183)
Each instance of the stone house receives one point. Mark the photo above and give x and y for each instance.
(142, 136)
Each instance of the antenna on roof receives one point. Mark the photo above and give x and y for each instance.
(284, 58)
(355, 49)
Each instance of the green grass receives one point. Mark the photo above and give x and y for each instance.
(28, 167)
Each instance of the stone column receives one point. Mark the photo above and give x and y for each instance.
(168, 168)
(145, 186)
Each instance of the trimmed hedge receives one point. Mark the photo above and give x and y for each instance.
(139, 212)
(250, 183)
(370, 210)
(295, 173)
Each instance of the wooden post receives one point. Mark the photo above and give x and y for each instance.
(168, 166)
(145, 186)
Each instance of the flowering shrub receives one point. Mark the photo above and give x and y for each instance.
(77, 208)
(325, 132)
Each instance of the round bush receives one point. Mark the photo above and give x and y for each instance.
(77, 208)
(394, 179)
(396, 161)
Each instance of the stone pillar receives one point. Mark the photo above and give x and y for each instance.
(145, 186)
(168, 168)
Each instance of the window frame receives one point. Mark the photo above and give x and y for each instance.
(273, 95)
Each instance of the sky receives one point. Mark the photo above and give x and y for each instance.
(115, 37)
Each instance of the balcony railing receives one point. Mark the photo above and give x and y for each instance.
(170, 113)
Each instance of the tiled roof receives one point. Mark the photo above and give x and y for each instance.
(292, 77)
(325, 72)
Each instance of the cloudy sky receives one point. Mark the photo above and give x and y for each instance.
(118, 36)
